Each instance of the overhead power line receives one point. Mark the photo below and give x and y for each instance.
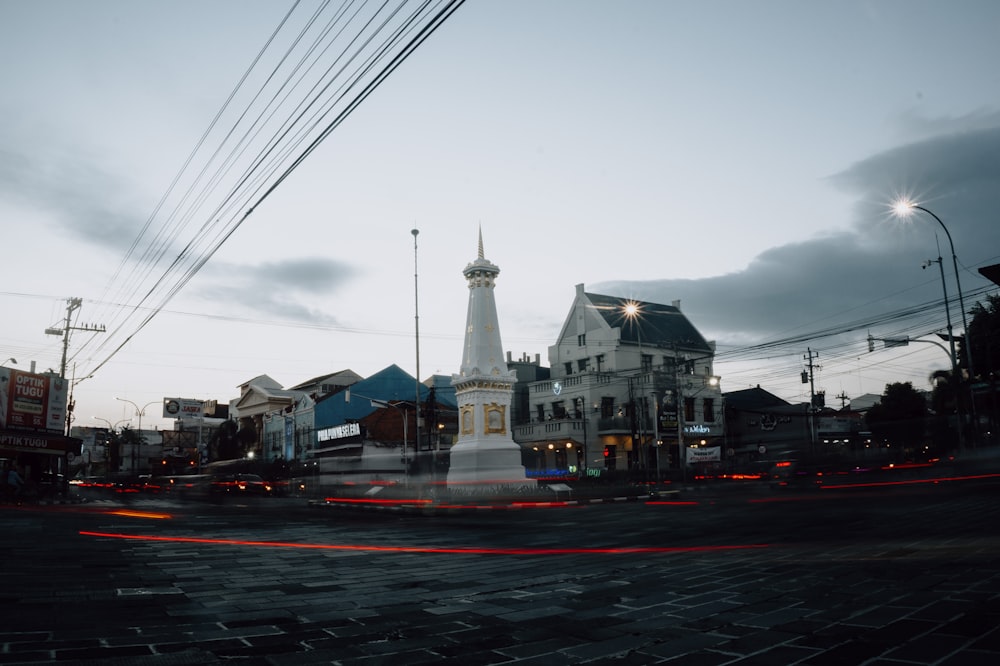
(313, 71)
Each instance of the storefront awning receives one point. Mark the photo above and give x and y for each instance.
(39, 442)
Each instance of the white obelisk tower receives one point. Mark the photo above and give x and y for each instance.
(486, 458)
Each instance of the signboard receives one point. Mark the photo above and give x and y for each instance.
(704, 454)
(40, 442)
(703, 430)
(348, 430)
(33, 402)
(179, 408)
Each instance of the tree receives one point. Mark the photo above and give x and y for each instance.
(945, 403)
(224, 444)
(899, 419)
(128, 445)
(984, 336)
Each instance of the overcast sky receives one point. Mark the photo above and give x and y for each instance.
(740, 157)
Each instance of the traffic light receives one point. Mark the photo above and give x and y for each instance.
(610, 457)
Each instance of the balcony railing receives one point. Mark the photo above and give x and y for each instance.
(623, 424)
(540, 431)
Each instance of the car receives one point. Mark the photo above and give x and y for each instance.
(243, 484)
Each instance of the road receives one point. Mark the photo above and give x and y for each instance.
(887, 575)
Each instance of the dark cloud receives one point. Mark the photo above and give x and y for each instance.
(85, 202)
(292, 289)
(873, 267)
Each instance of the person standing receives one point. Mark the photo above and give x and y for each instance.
(4, 380)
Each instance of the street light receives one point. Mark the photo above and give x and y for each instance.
(633, 312)
(904, 208)
(416, 331)
(11, 360)
(140, 412)
(114, 427)
(583, 413)
(382, 404)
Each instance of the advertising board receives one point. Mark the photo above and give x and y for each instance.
(179, 408)
(32, 402)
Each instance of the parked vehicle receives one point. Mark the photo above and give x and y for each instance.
(243, 484)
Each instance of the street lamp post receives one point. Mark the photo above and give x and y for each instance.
(140, 412)
(111, 429)
(381, 404)
(951, 344)
(583, 414)
(11, 360)
(903, 208)
(633, 313)
(416, 337)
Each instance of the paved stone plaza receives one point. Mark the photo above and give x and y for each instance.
(898, 575)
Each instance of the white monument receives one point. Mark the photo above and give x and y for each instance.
(486, 458)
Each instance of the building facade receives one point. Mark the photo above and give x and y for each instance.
(631, 386)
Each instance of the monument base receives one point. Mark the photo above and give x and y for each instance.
(486, 466)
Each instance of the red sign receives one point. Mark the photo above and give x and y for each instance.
(30, 401)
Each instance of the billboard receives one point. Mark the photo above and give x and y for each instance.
(179, 408)
(32, 402)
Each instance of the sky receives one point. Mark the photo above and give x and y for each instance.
(738, 157)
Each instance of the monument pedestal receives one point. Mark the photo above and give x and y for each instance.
(487, 466)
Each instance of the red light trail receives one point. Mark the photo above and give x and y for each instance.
(453, 550)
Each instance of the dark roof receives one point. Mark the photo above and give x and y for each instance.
(347, 377)
(655, 325)
(991, 273)
(752, 399)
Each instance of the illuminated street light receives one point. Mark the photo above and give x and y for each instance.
(633, 312)
(904, 208)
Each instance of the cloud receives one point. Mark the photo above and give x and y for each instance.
(81, 199)
(292, 289)
(871, 268)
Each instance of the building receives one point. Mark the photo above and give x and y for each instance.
(631, 386)
(370, 430)
(761, 427)
(263, 404)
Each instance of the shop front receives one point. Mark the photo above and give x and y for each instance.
(32, 439)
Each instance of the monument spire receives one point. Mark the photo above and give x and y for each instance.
(486, 456)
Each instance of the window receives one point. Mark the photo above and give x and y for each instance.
(607, 407)
(581, 340)
(689, 410)
(582, 364)
(599, 359)
(708, 405)
(568, 367)
(646, 363)
(540, 412)
(558, 409)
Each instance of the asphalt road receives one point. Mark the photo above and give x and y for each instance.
(890, 575)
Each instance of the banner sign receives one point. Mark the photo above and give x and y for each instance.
(179, 408)
(40, 443)
(704, 454)
(30, 401)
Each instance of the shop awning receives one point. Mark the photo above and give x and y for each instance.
(39, 442)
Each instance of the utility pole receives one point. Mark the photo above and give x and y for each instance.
(843, 399)
(72, 305)
(812, 396)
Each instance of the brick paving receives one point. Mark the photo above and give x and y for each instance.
(901, 575)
